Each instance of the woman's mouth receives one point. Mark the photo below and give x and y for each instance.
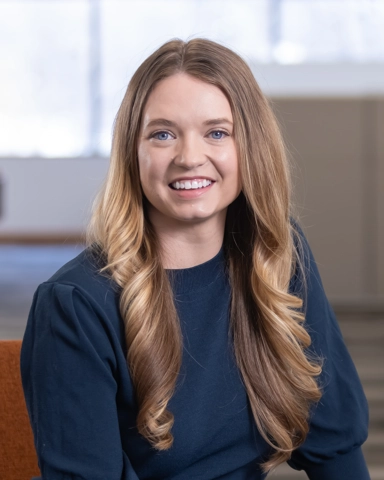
(190, 184)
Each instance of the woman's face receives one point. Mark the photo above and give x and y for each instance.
(187, 154)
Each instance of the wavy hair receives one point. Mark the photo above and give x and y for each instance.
(270, 341)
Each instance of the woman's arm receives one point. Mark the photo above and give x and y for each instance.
(67, 366)
(339, 422)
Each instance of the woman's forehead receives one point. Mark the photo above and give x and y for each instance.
(181, 97)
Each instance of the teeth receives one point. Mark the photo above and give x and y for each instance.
(191, 185)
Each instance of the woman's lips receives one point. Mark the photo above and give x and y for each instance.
(188, 183)
(191, 192)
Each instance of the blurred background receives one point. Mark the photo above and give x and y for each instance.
(64, 68)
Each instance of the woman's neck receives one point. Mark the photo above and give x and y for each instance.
(189, 244)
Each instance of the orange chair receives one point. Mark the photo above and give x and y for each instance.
(18, 459)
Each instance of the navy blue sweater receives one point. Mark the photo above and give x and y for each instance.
(82, 403)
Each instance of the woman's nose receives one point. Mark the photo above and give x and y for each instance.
(190, 154)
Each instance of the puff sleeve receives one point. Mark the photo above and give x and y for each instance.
(67, 368)
(339, 422)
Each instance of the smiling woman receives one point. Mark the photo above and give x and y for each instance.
(189, 173)
(193, 337)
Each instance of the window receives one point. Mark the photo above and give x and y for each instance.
(66, 63)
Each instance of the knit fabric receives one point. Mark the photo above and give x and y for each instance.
(82, 402)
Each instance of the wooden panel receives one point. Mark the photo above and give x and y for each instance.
(42, 238)
(380, 195)
(325, 140)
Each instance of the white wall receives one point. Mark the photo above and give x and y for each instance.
(321, 80)
(48, 196)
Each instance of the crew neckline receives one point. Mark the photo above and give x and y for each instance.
(192, 279)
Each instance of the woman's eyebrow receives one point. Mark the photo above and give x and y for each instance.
(160, 121)
(169, 123)
(217, 121)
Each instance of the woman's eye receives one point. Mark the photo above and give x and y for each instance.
(161, 135)
(218, 134)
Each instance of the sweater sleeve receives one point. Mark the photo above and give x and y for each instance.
(339, 422)
(67, 369)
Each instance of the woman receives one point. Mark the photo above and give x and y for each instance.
(192, 338)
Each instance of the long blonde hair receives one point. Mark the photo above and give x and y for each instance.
(259, 243)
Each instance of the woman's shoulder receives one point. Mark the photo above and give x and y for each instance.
(82, 270)
(83, 273)
(78, 294)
